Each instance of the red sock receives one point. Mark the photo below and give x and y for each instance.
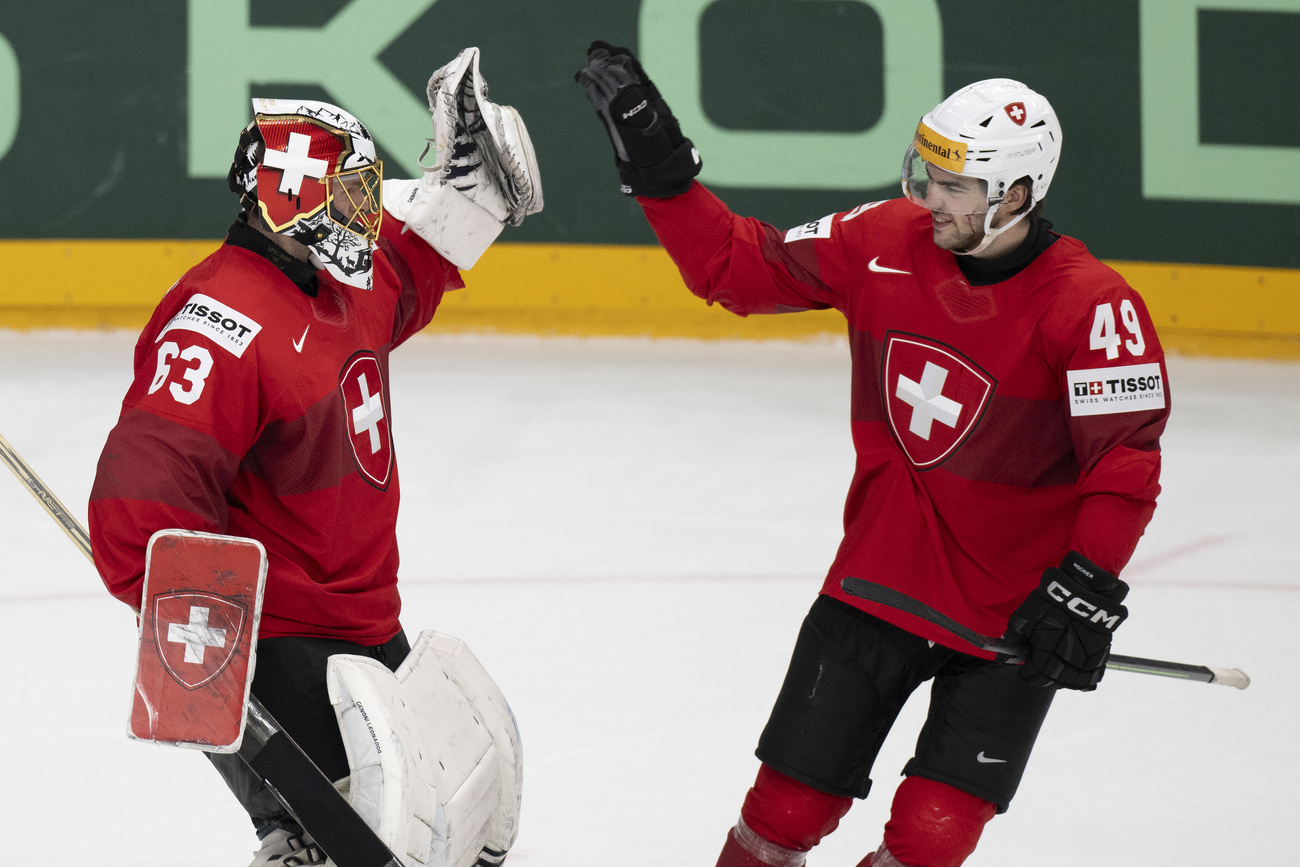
(781, 819)
(790, 813)
(932, 824)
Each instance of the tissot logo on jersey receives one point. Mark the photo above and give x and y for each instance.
(816, 229)
(226, 326)
(934, 397)
(1105, 390)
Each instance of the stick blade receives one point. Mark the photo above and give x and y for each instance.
(1233, 677)
(200, 611)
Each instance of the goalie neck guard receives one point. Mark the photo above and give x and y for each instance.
(996, 131)
(309, 171)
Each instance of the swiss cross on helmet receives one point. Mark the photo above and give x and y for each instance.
(310, 171)
(997, 131)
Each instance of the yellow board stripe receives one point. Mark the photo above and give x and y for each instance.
(600, 290)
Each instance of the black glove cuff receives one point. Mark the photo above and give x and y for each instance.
(1092, 576)
(672, 177)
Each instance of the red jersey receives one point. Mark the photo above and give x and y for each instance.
(258, 410)
(996, 427)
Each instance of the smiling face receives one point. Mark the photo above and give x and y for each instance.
(957, 206)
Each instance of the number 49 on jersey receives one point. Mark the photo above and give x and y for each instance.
(1105, 336)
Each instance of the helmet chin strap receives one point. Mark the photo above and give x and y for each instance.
(989, 232)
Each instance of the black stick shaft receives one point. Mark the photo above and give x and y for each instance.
(1010, 652)
(306, 793)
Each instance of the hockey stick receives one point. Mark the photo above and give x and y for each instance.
(48, 501)
(267, 748)
(1010, 652)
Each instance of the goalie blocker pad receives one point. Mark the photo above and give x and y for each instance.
(434, 751)
(200, 609)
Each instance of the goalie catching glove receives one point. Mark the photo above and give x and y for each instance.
(654, 159)
(1067, 622)
(484, 173)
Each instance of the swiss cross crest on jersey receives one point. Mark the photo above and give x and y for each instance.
(365, 410)
(934, 397)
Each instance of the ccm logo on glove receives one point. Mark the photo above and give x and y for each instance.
(1082, 607)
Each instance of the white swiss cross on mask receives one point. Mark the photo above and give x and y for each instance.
(295, 163)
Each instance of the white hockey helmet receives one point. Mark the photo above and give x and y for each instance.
(998, 131)
(310, 170)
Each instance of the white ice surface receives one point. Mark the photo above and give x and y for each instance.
(627, 534)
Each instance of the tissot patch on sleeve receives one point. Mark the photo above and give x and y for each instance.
(223, 324)
(1105, 390)
(816, 229)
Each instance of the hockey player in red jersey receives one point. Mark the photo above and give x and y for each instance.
(1009, 392)
(261, 404)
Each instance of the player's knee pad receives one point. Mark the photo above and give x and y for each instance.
(932, 824)
(789, 813)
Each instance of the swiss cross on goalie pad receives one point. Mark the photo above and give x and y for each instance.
(199, 614)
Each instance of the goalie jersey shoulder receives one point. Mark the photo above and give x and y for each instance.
(213, 334)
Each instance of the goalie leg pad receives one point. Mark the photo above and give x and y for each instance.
(434, 752)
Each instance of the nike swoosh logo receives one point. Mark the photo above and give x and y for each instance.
(983, 759)
(874, 265)
(297, 344)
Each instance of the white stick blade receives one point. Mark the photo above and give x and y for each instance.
(1230, 677)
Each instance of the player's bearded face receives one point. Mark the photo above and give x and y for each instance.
(958, 206)
(957, 232)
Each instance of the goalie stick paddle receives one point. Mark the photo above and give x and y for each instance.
(1010, 652)
(267, 748)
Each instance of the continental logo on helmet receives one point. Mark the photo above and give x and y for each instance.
(940, 150)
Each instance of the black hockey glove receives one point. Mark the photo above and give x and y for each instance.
(1067, 622)
(652, 156)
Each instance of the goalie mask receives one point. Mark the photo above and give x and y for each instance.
(996, 131)
(310, 171)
